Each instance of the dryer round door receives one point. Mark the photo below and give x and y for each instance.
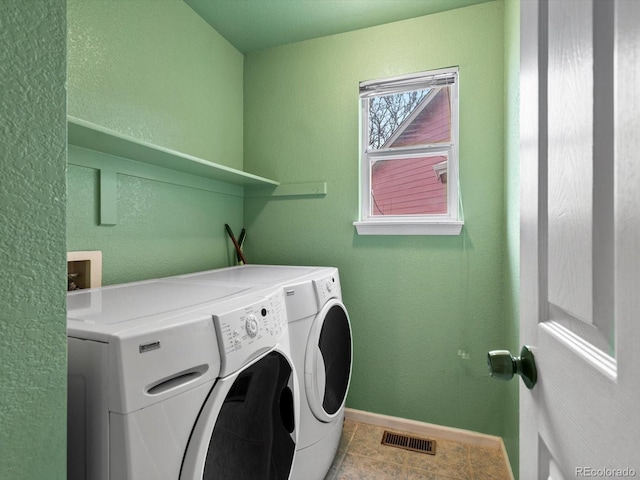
(328, 360)
(246, 428)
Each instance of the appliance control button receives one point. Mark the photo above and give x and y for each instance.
(251, 325)
(329, 285)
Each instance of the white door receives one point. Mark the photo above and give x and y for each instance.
(580, 237)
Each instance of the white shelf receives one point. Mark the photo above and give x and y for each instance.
(94, 137)
(122, 154)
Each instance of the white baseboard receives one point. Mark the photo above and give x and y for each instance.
(429, 430)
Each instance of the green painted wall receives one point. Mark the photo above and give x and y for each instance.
(162, 229)
(512, 218)
(32, 240)
(415, 302)
(158, 72)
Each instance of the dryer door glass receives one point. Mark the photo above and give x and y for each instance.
(246, 428)
(252, 435)
(329, 360)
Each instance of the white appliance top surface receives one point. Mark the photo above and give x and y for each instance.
(250, 275)
(128, 302)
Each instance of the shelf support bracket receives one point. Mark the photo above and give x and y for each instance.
(315, 189)
(108, 197)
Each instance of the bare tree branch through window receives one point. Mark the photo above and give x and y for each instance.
(386, 114)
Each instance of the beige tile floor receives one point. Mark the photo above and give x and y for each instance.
(361, 456)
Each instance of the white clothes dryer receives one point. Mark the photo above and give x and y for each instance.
(321, 344)
(180, 382)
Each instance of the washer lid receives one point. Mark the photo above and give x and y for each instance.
(251, 274)
(127, 302)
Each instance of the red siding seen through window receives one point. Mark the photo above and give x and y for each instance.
(407, 187)
(431, 125)
(411, 186)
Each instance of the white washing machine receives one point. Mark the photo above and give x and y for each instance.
(180, 382)
(321, 344)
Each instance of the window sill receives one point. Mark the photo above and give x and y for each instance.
(407, 227)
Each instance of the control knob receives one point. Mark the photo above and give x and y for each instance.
(251, 325)
(329, 285)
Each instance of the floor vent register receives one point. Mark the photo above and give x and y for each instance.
(415, 444)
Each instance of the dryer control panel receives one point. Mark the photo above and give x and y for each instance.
(327, 288)
(249, 329)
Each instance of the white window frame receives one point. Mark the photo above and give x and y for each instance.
(432, 224)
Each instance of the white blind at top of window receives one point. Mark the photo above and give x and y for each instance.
(416, 81)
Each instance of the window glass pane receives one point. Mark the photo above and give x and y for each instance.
(409, 186)
(420, 117)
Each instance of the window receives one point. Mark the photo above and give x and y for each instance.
(409, 159)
